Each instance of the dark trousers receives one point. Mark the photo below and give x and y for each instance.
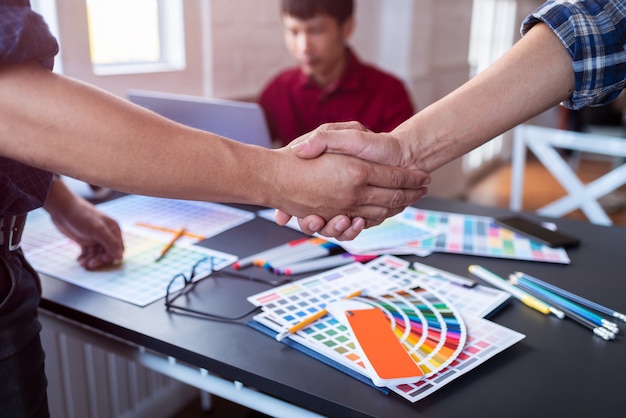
(22, 377)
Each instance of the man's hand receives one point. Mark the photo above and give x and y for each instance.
(352, 138)
(349, 138)
(341, 227)
(99, 236)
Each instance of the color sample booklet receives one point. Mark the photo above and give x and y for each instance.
(445, 339)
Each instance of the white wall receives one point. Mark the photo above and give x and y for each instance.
(235, 46)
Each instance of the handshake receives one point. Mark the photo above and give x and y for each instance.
(353, 179)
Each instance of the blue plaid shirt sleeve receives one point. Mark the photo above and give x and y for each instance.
(594, 33)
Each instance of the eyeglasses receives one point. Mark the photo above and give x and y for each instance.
(182, 284)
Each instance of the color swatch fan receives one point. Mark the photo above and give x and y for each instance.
(441, 339)
(428, 327)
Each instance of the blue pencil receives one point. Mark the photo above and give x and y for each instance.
(575, 298)
(598, 330)
(562, 302)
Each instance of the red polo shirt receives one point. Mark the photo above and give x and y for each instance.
(294, 105)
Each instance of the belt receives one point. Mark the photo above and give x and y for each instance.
(11, 228)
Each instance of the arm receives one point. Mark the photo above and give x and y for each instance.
(61, 125)
(533, 76)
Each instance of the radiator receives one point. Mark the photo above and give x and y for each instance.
(85, 380)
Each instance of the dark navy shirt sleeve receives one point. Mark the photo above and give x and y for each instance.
(24, 36)
(594, 33)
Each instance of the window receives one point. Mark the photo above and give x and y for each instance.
(135, 36)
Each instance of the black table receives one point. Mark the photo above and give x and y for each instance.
(559, 369)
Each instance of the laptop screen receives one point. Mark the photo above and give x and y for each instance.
(238, 120)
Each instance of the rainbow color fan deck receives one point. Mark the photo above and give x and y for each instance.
(437, 338)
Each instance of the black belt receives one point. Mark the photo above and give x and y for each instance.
(11, 228)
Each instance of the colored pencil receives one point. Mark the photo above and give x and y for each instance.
(323, 263)
(310, 319)
(519, 294)
(170, 244)
(575, 298)
(598, 330)
(161, 228)
(550, 297)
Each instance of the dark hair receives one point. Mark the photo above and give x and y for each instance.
(340, 10)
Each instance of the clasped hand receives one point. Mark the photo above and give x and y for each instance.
(392, 194)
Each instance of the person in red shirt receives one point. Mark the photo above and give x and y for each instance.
(330, 83)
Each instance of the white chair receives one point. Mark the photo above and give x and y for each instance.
(542, 142)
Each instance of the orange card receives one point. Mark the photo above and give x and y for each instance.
(384, 355)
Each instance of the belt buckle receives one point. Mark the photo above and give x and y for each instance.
(11, 231)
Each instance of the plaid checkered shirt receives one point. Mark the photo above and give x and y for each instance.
(594, 33)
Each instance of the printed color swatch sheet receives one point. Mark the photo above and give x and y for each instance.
(444, 341)
(139, 279)
(421, 232)
(478, 235)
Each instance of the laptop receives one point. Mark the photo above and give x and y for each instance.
(238, 120)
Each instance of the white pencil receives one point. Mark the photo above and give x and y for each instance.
(517, 293)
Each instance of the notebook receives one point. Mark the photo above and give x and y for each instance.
(238, 120)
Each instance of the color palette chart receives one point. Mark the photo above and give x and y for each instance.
(477, 301)
(477, 235)
(203, 219)
(443, 340)
(139, 279)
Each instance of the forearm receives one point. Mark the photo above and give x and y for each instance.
(61, 200)
(64, 126)
(533, 76)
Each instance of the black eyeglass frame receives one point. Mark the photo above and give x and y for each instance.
(189, 284)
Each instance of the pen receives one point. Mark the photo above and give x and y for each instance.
(309, 320)
(575, 298)
(519, 294)
(311, 248)
(598, 330)
(247, 261)
(169, 245)
(452, 278)
(323, 263)
(316, 252)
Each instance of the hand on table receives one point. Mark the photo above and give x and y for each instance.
(99, 236)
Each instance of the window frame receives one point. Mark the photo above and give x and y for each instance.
(171, 43)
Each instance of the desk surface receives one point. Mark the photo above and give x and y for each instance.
(559, 369)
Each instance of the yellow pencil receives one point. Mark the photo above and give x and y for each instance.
(169, 245)
(309, 320)
(164, 229)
